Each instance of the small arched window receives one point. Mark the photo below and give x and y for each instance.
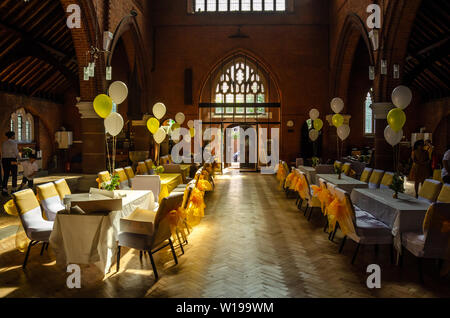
(22, 123)
(368, 114)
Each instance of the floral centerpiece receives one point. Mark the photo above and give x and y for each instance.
(112, 184)
(398, 185)
(315, 161)
(158, 170)
(26, 152)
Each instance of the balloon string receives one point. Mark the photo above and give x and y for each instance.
(107, 152)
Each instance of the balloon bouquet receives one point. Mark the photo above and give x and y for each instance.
(317, 124)
(103, 106)
(343, 131)
(393, 133)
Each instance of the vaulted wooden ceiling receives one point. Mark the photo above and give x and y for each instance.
(37, 55)
(427, 67)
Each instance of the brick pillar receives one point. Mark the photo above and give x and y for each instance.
(93, 138)
(383, 151)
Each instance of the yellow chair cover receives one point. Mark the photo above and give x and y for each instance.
(281, 175)
(129, 172)
(195, 210)
(337, 164)
(289, 179)
(122, 175)
(63, 188)
(340, 212)
(302, 187)
(444, 195)
(103, 176)
(376, 177)
(324, 196)
(387, 179)
(365, 176)
(204, 185)
(141, 168)
(430, 190)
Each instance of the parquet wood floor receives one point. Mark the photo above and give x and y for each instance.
(253, 242)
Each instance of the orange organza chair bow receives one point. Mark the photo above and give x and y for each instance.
(281, 175)
(176, 217)
(339, 212)
(302, 187)
(289, 179)
(294, 182)
(195, 210)
(324, 196)
(204, 185)
(21, 238)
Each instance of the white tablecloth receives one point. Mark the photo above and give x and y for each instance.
(405, 214)
(345, 183)
(87, 239)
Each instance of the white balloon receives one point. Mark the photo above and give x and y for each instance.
(190, 124)
(343, 132)
(159, 110)
(393, 138)
(337, 105)
(118, 91)
(160, 135)
(401, 96)
(314, 114)
(180, 118)
(313, 134)
(114, 124)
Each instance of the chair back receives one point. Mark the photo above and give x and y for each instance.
(305, 177)
(437, 175)
(63, 188)
(365, 176)
(149, 164)
(104, 176)
(124, 183)
(345, 198)
(50, 200)
(152, 183)
(375, 179)
(162, 223)
(187, 198)
(337, 164)
(430, 190)
(444, 195)
(332, 188)
(324, 169)
(322, 183)
(387, 180)
(141, 168)
(29, 210)
(129, 172)
(347, 168)
(437, 233)
(299, 162)
(172, 168)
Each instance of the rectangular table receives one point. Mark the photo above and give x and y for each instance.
(169, 181)
(92, 238)
(345, 183)
(310, 173)
(405, 214)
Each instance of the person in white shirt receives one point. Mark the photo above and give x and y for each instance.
(30, 168)
(10, 156)
(446, 169)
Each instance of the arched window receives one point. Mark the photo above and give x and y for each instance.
(368, 114)
(240, 82)
(22, 123)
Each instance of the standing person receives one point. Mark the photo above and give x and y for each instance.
(446, 166)
(10, 156)
(420, 170)
(30, 168)
(432, 154)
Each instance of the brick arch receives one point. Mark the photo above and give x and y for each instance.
(82, 39)
(352, 31)
(254, 58)
(396, 33)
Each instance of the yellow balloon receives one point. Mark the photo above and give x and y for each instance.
(153, 125)
(103, 105)
(396, 119)
(318, 124)
(338, 120)
(192, 132)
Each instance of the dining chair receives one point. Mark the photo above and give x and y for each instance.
(148, 183)
(130, 175)
(375, 179)
(430, 190)
(365, 176)
(323, 185)
(338, 164)
(50, 200)
(437, 175)
(444, 195)
(387, 180)
(142, 168)
(103, 176)
(36, 228)
(368, 230)
(432, 242)
(311, 201)
(156, 233)
(124, 183)
(63, 188)
(347, 170)
(299, 162)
